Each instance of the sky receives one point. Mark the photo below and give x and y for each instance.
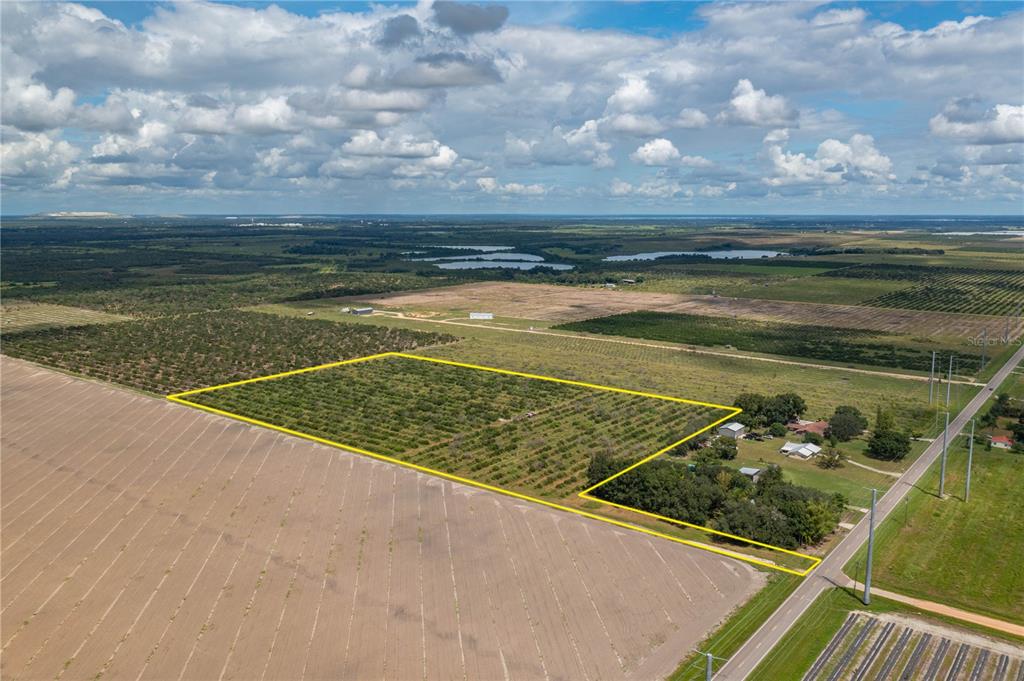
(524, 107)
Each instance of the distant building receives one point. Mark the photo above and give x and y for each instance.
(753, 473)
(803, 450)
(733, 429)
(1001, 442)
(481, 315)
(801, 427)
(361, 310)
(628, 281)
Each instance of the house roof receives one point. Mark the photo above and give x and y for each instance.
(747, 470)
(801, 426)
(801, 448)
(1003, 439)
(734, 425)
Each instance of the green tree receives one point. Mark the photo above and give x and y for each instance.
(889, 445)
(777, 429)
(884, 420)
(847, 423)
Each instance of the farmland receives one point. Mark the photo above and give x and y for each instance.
(170, 354)
(848, 346)
(663, 370)
(145, 538)
(559, 304)
(36, 316)
(528, 435)
(991, 293)
(838, 636)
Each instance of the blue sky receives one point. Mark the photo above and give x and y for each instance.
(522, 107)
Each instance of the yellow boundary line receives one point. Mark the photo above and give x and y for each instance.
(585, 494)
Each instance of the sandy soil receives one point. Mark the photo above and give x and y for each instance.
(143, 539)
(545, 302)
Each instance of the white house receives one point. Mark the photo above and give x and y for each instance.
(804, 450)
(733, 429)
(481, 315)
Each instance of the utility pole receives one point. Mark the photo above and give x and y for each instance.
(708, 668)
(945, 447)
(949, 380)
(970, 459)
(931, 379)
(871, 548)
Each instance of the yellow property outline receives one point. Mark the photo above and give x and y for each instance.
(585, 494)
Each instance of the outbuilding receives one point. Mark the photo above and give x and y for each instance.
(733, 429)
(481, 315)
(362, 310)
(753, 473)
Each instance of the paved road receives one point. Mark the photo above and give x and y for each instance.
(830, 572)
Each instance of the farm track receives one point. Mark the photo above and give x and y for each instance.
(185, 545)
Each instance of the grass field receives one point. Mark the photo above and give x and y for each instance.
(36, 316)
(966, 555)
(528, 435)
(851, 481)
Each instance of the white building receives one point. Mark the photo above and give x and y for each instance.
(361, 310)
(733, 429)
(481, 315)
(804, 450)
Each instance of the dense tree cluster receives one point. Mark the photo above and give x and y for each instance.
(771, 510)
(764, 410)
(847, 423)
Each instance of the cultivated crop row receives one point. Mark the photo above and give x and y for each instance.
(526, 434)
(972, 292)
(171, 354)
(805, 341)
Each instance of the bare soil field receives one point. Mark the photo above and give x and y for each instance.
(544, 302)
(143, 539)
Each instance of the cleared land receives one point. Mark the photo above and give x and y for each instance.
(544, 302)
(34, 316)
(144, 539)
